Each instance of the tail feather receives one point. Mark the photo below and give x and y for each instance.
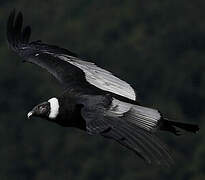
(171, 126)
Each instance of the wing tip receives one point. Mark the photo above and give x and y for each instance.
(14, 33)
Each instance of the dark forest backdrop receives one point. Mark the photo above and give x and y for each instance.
(157, 46)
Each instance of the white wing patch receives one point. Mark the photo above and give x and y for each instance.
(146, 118)
(101, 78)
(119, 107)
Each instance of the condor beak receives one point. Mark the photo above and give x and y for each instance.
(30, 114)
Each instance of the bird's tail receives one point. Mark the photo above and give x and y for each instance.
(173, 126)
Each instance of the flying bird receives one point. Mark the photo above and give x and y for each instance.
(95, 100)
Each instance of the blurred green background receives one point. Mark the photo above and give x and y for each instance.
(157, 46)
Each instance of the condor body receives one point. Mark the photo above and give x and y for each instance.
(95, 101)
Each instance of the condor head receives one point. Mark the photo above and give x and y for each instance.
(49, 109)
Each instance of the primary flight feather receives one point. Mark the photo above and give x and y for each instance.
(95, 100)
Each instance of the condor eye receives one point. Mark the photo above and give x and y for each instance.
(42, 109)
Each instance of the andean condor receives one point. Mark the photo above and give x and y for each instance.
(95, 100)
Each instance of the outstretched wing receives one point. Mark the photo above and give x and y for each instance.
(61, 63)
(102, 119)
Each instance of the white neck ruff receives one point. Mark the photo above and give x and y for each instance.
(54, 108)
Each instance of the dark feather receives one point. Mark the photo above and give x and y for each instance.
(18, 27)
(176, 127)
(26, 34)
(10, 29)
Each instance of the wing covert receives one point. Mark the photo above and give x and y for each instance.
(101, 78)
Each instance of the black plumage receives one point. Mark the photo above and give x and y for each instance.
(95, 100)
